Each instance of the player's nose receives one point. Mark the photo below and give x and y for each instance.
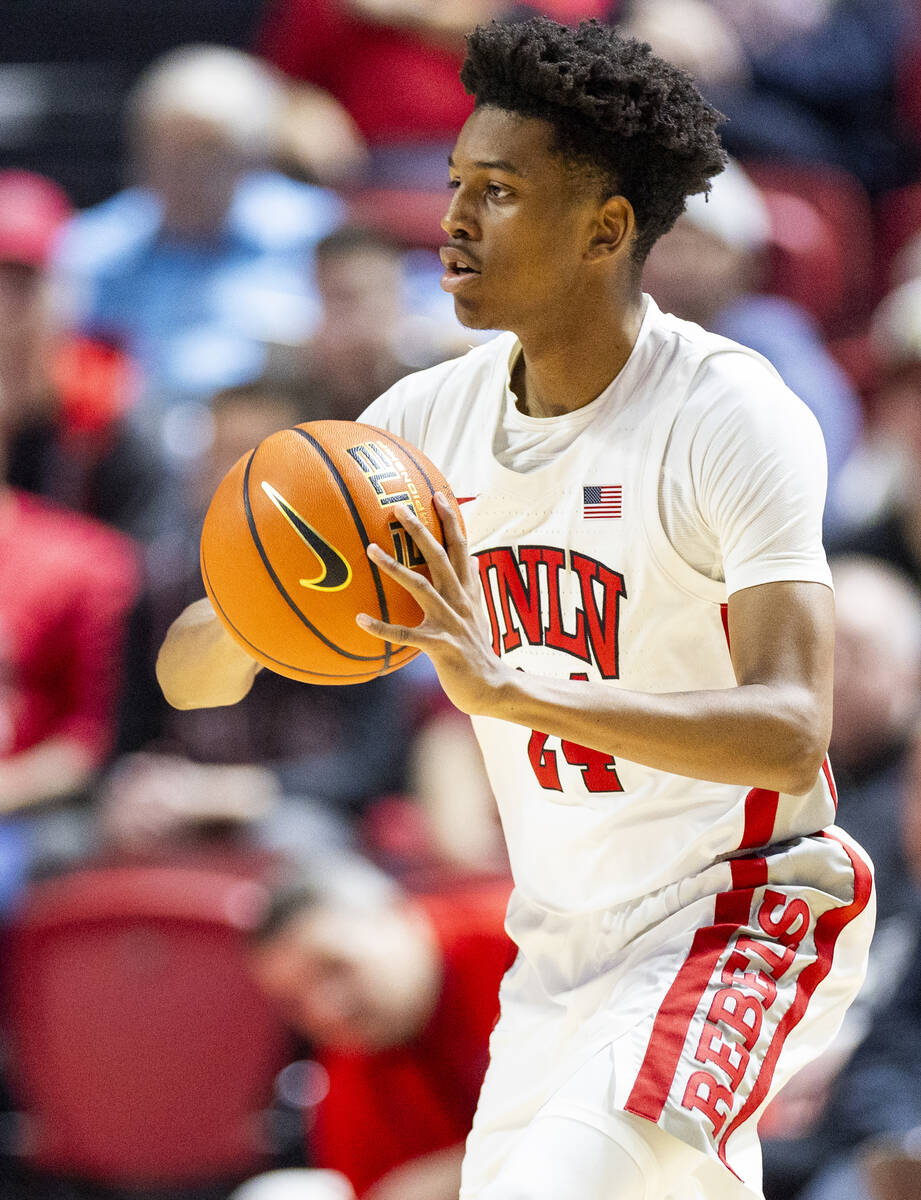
(460, 221)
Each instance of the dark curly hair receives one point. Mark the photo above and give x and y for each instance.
(635, 124)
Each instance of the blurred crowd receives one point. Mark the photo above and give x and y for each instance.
(218, 218)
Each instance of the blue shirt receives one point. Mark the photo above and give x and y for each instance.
(195, 314)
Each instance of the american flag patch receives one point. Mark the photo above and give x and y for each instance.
(602, 502)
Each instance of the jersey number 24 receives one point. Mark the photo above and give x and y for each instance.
(599, 773)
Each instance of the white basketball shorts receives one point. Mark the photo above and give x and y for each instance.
(689, 1008)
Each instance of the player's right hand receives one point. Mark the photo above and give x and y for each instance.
(199, 664)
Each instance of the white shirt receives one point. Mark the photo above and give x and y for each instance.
(700, 442)
(743, 482)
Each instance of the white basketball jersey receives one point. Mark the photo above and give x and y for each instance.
(580, 581)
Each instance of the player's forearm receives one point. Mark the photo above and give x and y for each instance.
(199, 664)
(758, 735)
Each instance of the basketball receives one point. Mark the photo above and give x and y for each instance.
(283, 548)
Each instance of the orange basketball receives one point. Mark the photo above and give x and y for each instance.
(283, 548)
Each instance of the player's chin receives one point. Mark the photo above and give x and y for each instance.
(474, 314)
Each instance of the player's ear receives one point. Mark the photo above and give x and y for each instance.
(614, 230)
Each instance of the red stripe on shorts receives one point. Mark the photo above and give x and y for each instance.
(760, 815)
(761, 812)
(827, 930)
(670, 1028)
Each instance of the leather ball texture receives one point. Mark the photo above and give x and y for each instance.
(283, 548)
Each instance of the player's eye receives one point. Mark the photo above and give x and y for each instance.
(497, 191)
(453, 184)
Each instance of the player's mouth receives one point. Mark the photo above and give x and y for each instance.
(461, 269)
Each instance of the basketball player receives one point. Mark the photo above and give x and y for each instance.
(643, 637)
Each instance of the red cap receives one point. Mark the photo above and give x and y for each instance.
(32, 211)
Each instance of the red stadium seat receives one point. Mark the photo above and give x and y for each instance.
(822, 239)
(140, 1050)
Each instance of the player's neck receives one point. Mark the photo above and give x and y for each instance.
(563, 369)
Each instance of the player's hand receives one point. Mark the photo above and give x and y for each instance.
(199, 664)
(453, 632)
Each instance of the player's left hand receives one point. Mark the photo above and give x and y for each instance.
(453, 632)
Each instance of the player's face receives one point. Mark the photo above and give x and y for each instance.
(348, 981)
(518, 225)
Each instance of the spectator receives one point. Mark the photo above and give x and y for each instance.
(810, 81)
(397, 996)
(69, 435)
(711, 269)
(67, 66)
(823, 90)
(65, 588)
(876, 1101)
(771, 22)
(208, 256)
(366, 338)
(694, 34)
(878, 494)
(877, 703)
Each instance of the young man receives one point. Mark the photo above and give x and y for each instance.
(643, 637)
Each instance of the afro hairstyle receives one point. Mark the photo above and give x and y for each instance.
(632, 122)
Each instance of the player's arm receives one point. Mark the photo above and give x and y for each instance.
(199, 664)
(754, 459)
(770, 731)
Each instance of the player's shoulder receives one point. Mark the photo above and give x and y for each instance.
(715, 357)
(729, 380)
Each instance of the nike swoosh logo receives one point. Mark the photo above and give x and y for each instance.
(464, 499)
(336, 573)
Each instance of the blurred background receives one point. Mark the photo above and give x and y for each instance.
(254, 952)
